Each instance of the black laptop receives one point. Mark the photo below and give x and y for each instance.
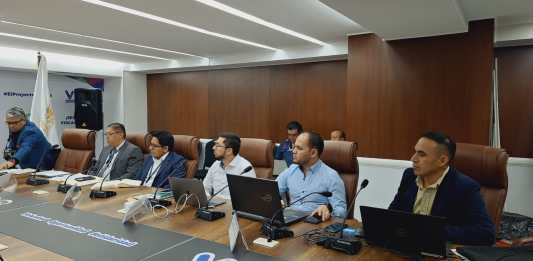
(259, 199)
(408, 233)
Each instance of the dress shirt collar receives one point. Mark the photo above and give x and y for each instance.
(233, 163)
(434, 185)
(120, 145)
(313, 168)
(160, 159)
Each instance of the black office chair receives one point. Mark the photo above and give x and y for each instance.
(209, 159)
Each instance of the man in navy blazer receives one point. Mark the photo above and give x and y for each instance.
(163, 163)
(26, 145)
(433, 187)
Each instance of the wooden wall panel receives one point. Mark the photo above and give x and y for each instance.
(385, 96)
(239, 102)
(313, 94)
(178, 102)
(253, 102)
(399, 89)
(515, 82)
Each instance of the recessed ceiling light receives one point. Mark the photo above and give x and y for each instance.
(175, 23)
(100, 38)
(78, 45)
(251, 18)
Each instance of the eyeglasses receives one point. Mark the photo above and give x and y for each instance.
(220, 146)
(155, 146)
(110, 133)
(13, 122)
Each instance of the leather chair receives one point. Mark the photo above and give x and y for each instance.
(78, 150)
(187, 146)
(488, 166)
(259, 153)
(341, 156)
(140, 140)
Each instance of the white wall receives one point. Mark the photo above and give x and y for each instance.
(134, 99)
(61, 86)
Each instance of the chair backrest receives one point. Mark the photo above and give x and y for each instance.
(78, 150)
(487, 166)
(187, 146)
(341, 156)
(209, 155)
(140, 140)
(259, 153)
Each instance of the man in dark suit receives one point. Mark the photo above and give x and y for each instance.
(433, 187)
(26, 145)
(120, 159)
(163, 163)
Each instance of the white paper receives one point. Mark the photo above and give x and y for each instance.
(40, 192)
(19, 171)
(52, 173)
(114, 184)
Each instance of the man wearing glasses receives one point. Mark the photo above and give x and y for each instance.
(26, 144)
(119, 159)
(163, 163)
(228, 162)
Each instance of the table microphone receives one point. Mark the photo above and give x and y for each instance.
(102, 193)
(162, 202)
(350, 247)
(276, 231)
(33, 180)
(65, 187)
(210, 215)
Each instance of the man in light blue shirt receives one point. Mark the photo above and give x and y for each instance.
(309, 174)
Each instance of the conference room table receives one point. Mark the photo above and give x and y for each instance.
(186, 223)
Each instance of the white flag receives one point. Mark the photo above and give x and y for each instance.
(42, 113)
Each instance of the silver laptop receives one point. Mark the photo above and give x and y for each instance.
(183, 186)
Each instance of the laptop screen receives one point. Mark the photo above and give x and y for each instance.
(255, 196)
(405, 232)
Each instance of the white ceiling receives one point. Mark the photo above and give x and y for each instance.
(304, 16)
(326, 20)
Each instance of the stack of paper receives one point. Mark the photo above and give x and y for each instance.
(52, 173)
(122, 183)
(19, 171)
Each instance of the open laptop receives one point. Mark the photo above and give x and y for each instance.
(259, 199)
(405, 232)
(180, 186)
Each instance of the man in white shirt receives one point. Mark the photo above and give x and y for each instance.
(228, 161)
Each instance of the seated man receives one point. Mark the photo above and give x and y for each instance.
(284, 151)
(338, 135)
(228, 161)
(120, 159)
(26, 144)
(309, 174)
(433, 187)
(163, 163)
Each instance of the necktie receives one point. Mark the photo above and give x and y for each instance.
(107, 162)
